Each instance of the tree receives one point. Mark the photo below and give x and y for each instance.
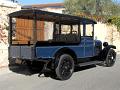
(76, 6)
(92, 7)
(99, 10)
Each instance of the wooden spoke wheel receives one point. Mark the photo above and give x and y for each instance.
(110, 59)
(65, 67)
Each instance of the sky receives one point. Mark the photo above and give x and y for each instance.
(25, 2)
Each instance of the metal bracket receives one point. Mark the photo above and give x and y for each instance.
(44, 70)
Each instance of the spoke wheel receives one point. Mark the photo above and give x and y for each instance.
(65, 67)
(110, 59)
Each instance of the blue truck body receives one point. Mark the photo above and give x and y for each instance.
(65, 50)
(87, 48)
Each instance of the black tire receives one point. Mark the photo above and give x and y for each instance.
(110, 58)
(65, 67)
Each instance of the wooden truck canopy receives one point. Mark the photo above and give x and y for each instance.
(30, 24)
(50, 16)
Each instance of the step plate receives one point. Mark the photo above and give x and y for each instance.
(89, 63)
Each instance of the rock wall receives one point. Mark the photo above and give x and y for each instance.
(103, 32)
(108, 33)
(5, 9)
(113, 36)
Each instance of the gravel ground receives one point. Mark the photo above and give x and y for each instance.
(86, 78)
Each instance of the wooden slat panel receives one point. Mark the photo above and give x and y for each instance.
(40, 30)
(24, 31)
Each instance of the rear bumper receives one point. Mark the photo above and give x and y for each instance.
(19, 60)
(21, 52)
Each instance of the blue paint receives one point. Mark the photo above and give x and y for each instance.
(49, 52)
(85, 49)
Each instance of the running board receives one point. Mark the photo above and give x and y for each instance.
(89, 63)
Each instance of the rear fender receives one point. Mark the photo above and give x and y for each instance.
(66, 51)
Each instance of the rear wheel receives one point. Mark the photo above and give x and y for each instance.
(110, 58)
(65, 67)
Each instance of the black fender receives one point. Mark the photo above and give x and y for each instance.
(66, 51)
(104, 52)
(105, 44)
(110, 46)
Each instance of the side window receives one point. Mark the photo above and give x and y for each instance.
(68, 29)
(89, 30)
(66, 33)
(57, 29)
(65, 29)
(75, 29)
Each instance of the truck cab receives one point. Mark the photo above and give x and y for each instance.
(71, 42)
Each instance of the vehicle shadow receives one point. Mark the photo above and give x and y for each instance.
(24, 70)
(77, 69)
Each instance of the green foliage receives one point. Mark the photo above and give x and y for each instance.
(100, 10)
(93, 7)
(76, 6)
(115, 20)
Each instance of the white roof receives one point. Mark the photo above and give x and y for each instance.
(7, 3)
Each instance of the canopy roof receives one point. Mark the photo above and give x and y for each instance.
(50, 16)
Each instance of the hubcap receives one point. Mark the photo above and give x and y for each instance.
(111, 59)
(66, 68)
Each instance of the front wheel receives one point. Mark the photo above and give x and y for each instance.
(110, 58)
(65, 67)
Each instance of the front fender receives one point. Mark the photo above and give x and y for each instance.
(104, 52)
(111, 46)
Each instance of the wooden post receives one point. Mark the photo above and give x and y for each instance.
(84, 29)
(71, 29)
(60, 28)
(34, 28)
(10, 31)
(79, 32)
(93, 30)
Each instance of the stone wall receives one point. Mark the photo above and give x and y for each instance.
(113, 36)
(103, 32)
(108, 33)
(4, 24)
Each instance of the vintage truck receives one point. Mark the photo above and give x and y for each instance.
(72, 42)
